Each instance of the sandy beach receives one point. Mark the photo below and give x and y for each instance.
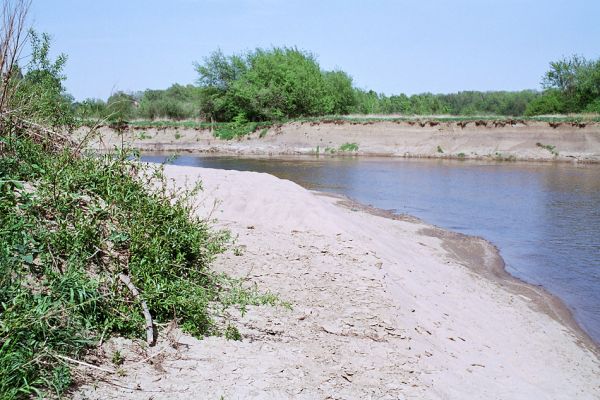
(475, 140)
(382, 308)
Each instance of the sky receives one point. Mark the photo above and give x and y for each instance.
(388, 46)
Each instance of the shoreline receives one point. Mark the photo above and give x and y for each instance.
(471, 140)
(381, 307)
(494, 266)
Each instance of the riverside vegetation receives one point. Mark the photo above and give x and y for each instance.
(243, 93)
(78, 232)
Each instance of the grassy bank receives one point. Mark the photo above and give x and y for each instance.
(69, 227)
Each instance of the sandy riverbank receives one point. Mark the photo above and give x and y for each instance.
(382, 308)
(487, 140)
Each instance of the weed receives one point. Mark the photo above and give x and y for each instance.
(502, 157)
(177, 135)
(550, 148)
(117, 358)
(263, 132)
(143, 135)
(439, 149)
(232, 333)
(349, 147)
(461, 155)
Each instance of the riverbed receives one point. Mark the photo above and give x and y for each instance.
(544, 218)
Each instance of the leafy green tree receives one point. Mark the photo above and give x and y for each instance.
(90, 108)
(340, 93)
(551, 102)
(40, 94)
(577, 79)
(270, 84)
(120, 107)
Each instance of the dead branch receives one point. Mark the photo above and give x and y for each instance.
(149, 324)
(71, 360)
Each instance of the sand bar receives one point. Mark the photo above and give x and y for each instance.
(383, 308)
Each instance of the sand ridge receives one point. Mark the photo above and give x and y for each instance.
(380, 310)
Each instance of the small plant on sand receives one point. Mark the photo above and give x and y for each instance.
(232, 333)
(439, 149)
(461, 155)
(504, 157)
(143, 135)
(349, 147)
(177, 135)
(117, 358)
(550, 148)
(263, 133)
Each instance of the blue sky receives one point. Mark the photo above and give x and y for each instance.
(389, 46)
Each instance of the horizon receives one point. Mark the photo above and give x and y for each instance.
(150, 45)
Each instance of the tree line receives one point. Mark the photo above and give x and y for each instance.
(283, 83)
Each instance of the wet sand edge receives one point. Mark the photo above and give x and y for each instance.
(483, 258)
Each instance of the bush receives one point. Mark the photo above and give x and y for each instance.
(271, 85)
(551, 102)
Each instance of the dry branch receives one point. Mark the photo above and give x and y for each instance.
(149, 324)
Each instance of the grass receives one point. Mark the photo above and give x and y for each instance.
(350, 147)
(503, 157)
(550, 148)
(69, 226)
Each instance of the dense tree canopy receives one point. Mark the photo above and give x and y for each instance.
(270, 85)
(572, 85)
(282, 83)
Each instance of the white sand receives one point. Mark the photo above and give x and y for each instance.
(381, 310)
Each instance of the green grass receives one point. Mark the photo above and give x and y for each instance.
(550, 148)
(68, 226)
(350, 147)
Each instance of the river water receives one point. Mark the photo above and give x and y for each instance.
(544, 218)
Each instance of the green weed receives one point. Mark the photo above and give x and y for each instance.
(349, 147)
(550, 148)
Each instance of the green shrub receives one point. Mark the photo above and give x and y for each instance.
(349, 147)
(69, 226)
(551, 102)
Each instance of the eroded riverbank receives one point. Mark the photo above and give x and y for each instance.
(481, 140)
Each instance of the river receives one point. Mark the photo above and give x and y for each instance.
(544, 218)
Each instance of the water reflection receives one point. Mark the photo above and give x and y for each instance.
(544, 218)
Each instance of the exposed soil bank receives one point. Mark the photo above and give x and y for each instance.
(382, 308)
(489, 140)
